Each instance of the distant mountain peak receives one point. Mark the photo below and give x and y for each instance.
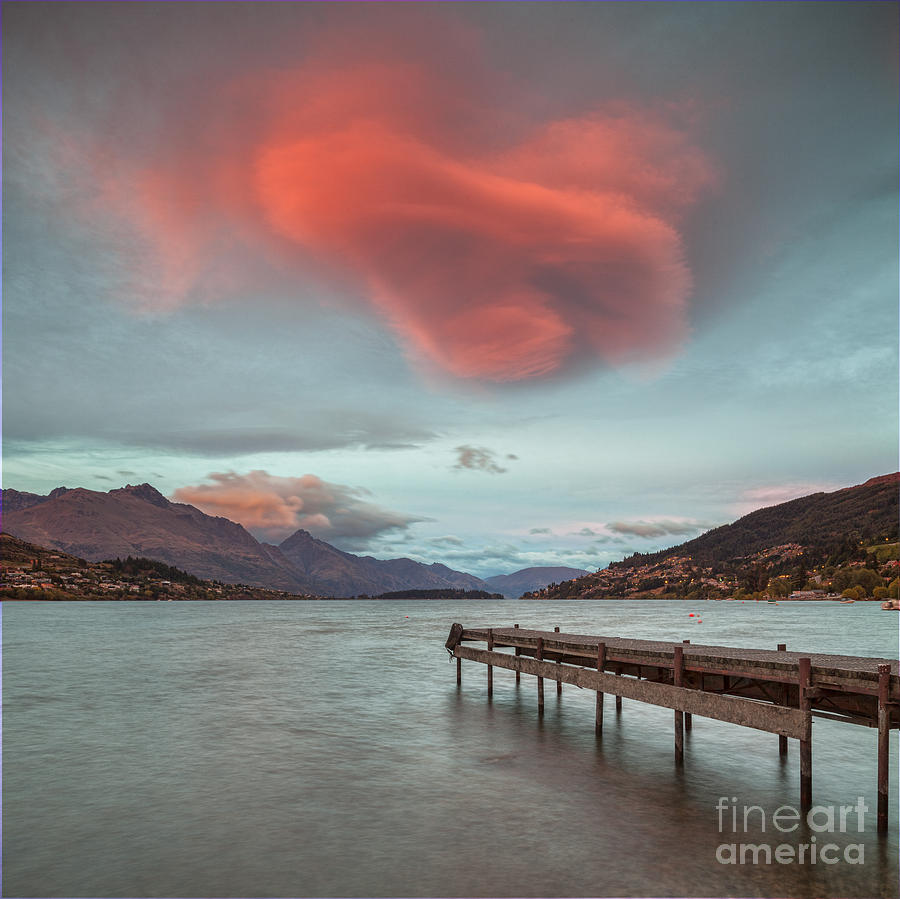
(300, 536)
(882, 479)
(530, 579)
(15, 500)
(143, 491)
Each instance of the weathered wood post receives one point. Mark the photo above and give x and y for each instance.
(782, 741)
(688, 717)
(518, 653)
(678, 677)
(618, 698)
(456, 632)
(539, 655)
(884, 745)
(490, 668)
(601, 664)
(805, 745)
(558, 663)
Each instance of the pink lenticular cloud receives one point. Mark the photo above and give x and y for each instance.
(490, 263)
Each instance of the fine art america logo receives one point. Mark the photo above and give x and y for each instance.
(819, 821)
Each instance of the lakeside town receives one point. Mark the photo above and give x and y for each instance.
(778, 573)
(33, 572)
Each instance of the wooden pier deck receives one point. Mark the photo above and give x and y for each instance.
(771, 690)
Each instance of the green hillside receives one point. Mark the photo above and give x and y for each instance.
(842, 543)
(824, 524)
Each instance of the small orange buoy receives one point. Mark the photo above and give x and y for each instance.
(699, 621)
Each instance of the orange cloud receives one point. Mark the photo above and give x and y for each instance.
(274, 507)
(491, 263)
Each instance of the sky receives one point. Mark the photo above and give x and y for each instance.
(489, 284)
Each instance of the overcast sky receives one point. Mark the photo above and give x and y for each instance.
(492, 284)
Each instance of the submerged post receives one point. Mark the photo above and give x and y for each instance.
(688, 717)
(782, 741)
(601, 664)
(456, 632)
(558, 663)
(884, 745)
(490, 668)
(805, 745)
(618, 698)
(678, 677)
(539, 654)
(518, 653)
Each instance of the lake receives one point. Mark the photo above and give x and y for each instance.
(323, 749)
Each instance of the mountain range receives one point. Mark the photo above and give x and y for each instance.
(140, 521)
(529, 579)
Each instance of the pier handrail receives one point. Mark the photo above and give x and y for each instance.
(771, 690)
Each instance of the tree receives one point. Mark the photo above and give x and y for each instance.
(841, 580)
(867, 579)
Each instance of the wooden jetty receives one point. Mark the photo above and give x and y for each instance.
(770, 690)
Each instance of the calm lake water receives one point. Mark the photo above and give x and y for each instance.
(322, 749)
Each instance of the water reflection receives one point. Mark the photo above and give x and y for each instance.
(316, 749)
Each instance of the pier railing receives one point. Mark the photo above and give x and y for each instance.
(770, 690)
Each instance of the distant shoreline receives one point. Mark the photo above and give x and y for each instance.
(4, 599)
(111, 599)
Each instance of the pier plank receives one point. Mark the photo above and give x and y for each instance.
(857, 674)
(747, 712)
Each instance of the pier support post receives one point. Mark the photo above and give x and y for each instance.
(490, 668)
(805, 745)
(678, 677)
(688, 717)
(558, 681)
(618, 698)
(518, 653)
(458, 671)
(782, 741)
(539, 655)
(884, 745)
(601, 664)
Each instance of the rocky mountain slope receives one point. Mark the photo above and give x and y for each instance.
(819, 523)
(351, 575)
(140, 521)
(817, 542)
(33, 573)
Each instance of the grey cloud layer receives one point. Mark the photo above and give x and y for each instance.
(661, 528)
